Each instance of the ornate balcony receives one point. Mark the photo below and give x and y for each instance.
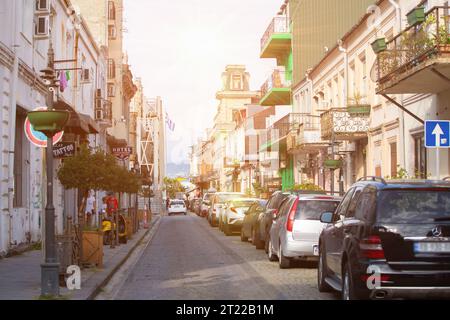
(418, 59)
(341, 125)
(305, 134)
(276, 91)
(276, 41)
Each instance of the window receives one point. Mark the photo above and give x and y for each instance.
(20, 159)
(237, 82)
(393, 147)
(111, 69)
(340, 211)
(111, 10)
(420, 157)
(352, 206)
(112, 32)
(366, 205)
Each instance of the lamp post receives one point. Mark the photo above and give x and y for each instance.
(49, 122)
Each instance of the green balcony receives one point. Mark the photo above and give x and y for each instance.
(276, 91)
(277, 40)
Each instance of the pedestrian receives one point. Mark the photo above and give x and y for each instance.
(90, 209)
(112, 204)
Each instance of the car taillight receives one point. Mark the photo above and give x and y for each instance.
(291, 217)
(234, 210)
(371, 248)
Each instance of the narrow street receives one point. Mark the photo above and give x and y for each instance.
(187, 259)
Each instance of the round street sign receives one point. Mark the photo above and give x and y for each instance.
(38, 138)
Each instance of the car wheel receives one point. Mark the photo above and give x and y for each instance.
(349, 291)
(322, 273)
(270, 254)
(255, 239)
(243, 237)
(284, 262)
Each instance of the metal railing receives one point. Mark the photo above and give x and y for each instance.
(415, 45)
(279, 24)
(276, 80)
(338, 121)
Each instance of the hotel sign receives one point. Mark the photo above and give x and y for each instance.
(122, 153)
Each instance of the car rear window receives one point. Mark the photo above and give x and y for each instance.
(313, 209)
(178, 202)
(222, 198)
(413, 206)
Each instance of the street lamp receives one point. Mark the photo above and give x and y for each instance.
(49, 122)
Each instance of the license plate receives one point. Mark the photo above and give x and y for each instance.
(316, 250)
(432, 247)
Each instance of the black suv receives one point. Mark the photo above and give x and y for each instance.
(388, 239)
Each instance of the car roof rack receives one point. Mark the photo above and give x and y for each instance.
(372, 178)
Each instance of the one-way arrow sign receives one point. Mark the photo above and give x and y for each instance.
(437, 134)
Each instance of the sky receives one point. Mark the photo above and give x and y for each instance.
(179, 48)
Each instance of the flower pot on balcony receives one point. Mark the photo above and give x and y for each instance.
(358, 109)
(332, 164)
(48, 122)
(379, 45)
(416, 16)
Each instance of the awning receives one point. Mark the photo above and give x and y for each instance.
(78, 123)
(114, 142)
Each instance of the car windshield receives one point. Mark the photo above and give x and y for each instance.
(313, 209)
(222, 198)
(413, 206)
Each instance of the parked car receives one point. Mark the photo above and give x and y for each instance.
(250, 223)
(234, 213)
(265, 219)
(206, 203)
(400, 229)
(176, 207)
(295, 231)
(217, 202)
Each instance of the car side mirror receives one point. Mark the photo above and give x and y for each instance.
(326, 217)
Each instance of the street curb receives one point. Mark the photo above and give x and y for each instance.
(103, 283)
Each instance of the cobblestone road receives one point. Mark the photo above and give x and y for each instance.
(187, 259)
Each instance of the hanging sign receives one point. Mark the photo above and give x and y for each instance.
(38, 138)
(122, 153)
(64, 150)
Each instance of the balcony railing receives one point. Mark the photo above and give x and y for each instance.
(277, 80)
(279, 24)
(339, 124)
(408, 52)
(305, 132)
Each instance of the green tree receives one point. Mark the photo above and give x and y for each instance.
(172, 187)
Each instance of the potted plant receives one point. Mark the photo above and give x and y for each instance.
(417, 15)
(379, 45)
(48, 122)
(307, 187)
(332, 164)
(356, 105)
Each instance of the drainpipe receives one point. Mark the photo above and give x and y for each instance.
(12, 124)
(398, 17)
(349, 163)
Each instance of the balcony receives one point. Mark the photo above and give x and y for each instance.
(305, 134)
(276, 41)
(417, 61)
(340, 125)
(104, 114)
(276, 91)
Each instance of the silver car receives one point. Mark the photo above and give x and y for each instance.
(295, 231)
(234, 214)
(217, 203)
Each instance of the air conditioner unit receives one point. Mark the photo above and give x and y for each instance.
(111, 90)
(86, 76)
(42, 27)
(43, 6)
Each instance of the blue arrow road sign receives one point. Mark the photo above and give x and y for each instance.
(437, 134)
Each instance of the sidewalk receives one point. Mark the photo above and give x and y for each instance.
(20, 275)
